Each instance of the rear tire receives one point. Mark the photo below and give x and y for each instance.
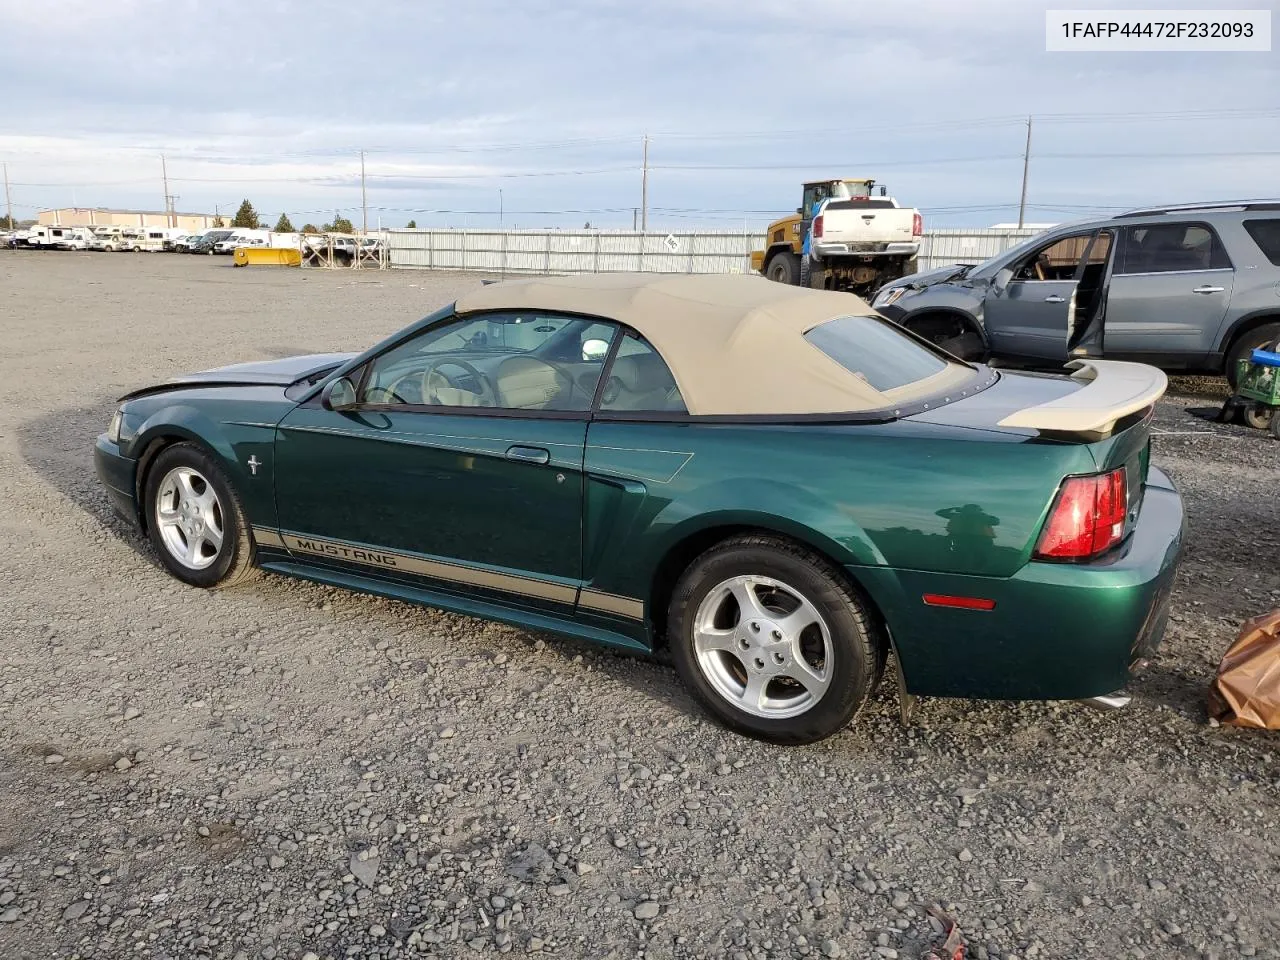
(1245, 344)
(195, 521)
(773, 640)
(783, 267)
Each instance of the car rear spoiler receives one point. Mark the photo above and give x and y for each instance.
(1112, 390)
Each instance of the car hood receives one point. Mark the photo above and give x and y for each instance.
(260, 373)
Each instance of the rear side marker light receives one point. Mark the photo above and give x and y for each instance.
(1087, 517)
(960, 603)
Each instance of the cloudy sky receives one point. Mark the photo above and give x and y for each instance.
(540, 106)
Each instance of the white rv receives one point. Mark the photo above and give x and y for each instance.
(69, 238)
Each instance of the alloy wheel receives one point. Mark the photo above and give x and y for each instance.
(190, 518)
(763, 646)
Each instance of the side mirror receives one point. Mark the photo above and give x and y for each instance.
(799, 211)
(593, 350)
(338, 394)
(1001, 279)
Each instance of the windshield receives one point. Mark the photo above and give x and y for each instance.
(988, 266)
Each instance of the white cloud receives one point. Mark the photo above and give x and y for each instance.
(275, 99)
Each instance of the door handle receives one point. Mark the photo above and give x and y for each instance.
(1207, 289)
(1054, 298)
(529, 454)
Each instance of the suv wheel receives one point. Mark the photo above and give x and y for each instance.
(1246, 343)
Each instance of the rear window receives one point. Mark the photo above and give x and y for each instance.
(860, 203)
(876, 351)
(1266, 234)
(1171, 248)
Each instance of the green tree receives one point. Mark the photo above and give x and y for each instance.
(411, 225)
(8, 223)
(246, 217)
(339, 225)
(219, 222)
(283, 225)
(310, 228)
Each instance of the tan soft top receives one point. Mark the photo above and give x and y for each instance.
(735, 344)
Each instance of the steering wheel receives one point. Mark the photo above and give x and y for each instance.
(385, 394)
(433, 380)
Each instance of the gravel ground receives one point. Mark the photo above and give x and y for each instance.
(287, 770)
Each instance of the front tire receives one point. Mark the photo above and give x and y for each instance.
(1257, 415)
(783, 267)
(195, 521)
(773, 640)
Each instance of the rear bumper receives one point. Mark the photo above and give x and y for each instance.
(822, 250)
(117, 474)
(1057, 632)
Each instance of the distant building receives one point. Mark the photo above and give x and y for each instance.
(95, 216)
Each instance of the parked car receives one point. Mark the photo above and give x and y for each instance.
(1185, 288)
(206, 241)
(242, 238)
(771, 481)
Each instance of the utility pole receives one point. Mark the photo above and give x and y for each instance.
(644, 187)
(168, 206)
(8, 200)
(499, 206)
(364, 199)
(1026, 164)
(635, 212)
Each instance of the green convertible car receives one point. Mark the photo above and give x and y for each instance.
(774, 483)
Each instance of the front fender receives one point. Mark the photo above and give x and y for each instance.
(233, 445)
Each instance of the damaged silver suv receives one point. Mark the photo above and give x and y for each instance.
(1190, 288)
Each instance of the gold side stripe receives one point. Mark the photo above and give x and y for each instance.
(437, 569)
(611, 603)
(267, 538)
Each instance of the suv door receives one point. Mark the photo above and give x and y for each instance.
(1033, 314)
(458, 466)
(1169, 292)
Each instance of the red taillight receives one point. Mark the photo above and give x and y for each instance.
(817, 225)
(917, 225)
(1087, 518)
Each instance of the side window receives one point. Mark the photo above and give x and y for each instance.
(1099, 250)
(1170, 247)
(1266, 234)
(1055, 261)
(640, 380)
(509, 361)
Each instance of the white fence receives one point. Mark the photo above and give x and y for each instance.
(607, 251)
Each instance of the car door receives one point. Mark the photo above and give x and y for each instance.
(1169, 292)
(457, 465)
(1033, 314)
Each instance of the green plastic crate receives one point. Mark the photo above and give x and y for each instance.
(1257, 382)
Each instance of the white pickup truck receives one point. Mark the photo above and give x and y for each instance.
(860, 243)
